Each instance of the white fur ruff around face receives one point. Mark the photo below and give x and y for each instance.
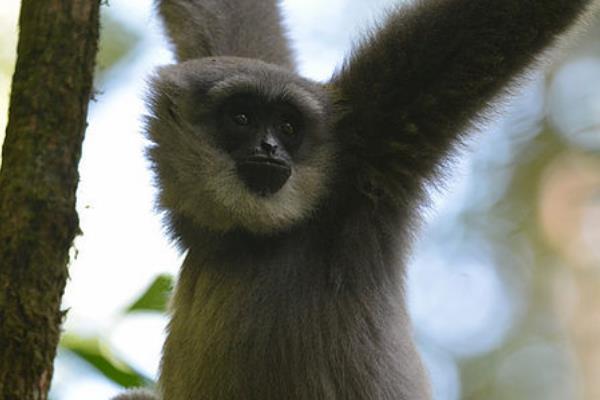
(213, 196)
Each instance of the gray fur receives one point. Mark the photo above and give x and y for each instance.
(198, 181)
(300, 295)
(242, 28)
(137, 394)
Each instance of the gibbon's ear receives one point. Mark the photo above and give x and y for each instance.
(209, 28)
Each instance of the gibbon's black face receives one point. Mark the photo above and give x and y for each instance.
(262, 138)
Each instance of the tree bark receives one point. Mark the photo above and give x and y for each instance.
(38, 179)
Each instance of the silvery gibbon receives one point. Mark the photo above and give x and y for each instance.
(296, 200)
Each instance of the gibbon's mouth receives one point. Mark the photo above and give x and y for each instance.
(264, 175)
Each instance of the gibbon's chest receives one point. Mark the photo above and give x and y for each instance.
(263, 320)
(330, 254)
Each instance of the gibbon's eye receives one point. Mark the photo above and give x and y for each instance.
(241, 119)
(288, 129)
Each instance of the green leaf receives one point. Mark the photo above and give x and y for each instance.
(156, 297)
(96, 354)
(117, 42)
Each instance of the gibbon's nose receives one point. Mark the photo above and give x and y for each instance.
(268, 148)
(269, 145)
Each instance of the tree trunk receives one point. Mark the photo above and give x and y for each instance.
(38, 179)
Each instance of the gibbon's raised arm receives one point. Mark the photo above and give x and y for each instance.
(241, 28)
(414, 86)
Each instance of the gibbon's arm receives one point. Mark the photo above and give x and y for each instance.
(242, 28)
(410, 89)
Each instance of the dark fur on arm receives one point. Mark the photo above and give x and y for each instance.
(414, 86)
(242, 28)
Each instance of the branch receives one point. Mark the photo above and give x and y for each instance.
(38, 179)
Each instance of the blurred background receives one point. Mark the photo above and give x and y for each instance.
(504, 284)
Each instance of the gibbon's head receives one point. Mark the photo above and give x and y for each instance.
(239, 144)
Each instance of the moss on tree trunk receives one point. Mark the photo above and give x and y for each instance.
(38, 179)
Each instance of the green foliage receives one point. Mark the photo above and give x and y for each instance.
(117, 41)
(155, 298)
(94, 352)
(97, 354)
